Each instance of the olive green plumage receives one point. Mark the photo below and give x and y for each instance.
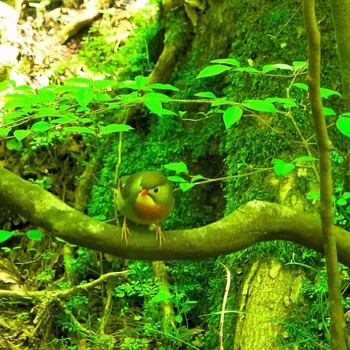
(146, 198)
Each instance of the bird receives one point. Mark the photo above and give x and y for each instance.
(146, 198)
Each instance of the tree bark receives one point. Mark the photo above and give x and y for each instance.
(269, 293)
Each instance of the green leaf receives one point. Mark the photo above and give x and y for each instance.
(260, 105)
(111, 128)
(14, 145)
(343, 125)
(47, 112)
(205, 94)
(248, 70)
(229, 61)
(271, 67)
(79, 81)
(285, 102)
(64, 119)
(4, 132)
(178, 167)
(342, 201)
(41, 126)
(5, 235)
(160, 86)
(220, 102)
(157, 96)
(84, 96)
(79, 129)
(346, 114)
(232, 115)
(186, 186)
(196, 178)
(178, 318)
(19, 101)
(9, 118)
(46, 95)
(129, 84)
(100, 217)
(141, 81)
(155, 106)
(346, 195)
(21, 134)
(35, 235)
(281, 167)
(328, 111)
(102, 97)
(301, 86)
(176, 178)
(325, 93)
(297, 65)
(304, 159)
(213, 70)
(165, 111)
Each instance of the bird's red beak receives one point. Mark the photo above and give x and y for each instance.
(144, 193)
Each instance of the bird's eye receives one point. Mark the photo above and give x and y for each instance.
(156, 190)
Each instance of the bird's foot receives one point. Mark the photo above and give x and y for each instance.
(125, 231)
(159, 234)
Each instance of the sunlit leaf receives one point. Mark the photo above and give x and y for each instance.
(205, 94)
(260, 105)
(325, 93)
(229, 61)
(111, 128)
(35, 235)
(141, 81)
(79, 81)
(186, 186)
(176, 178)
(21, 134)
(41, 126)
(4, 132)
(248, 70)
(84, 96)
(213, 70)
(196, 178)
(286, 102)
(14, 145)
(232, 115)
(79, 129)
(5, 235)
(328, 111)
(304, 159)
(343, 125)
(154, 105)
(301, 86)
(220, 102)
(157, 96)
(300, 65)
(47, 112)
(46, 95)
(178, 167)
(281, 167)
(160, 86)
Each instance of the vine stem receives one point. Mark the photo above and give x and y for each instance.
(223, 309)
(337, 326)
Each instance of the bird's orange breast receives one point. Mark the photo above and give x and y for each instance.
(152, 212)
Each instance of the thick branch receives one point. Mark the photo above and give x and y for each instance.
(254, 222)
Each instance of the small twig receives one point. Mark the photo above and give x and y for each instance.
(58, 293)
(224, 302)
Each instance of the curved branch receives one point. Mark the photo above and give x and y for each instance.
(254, 222)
